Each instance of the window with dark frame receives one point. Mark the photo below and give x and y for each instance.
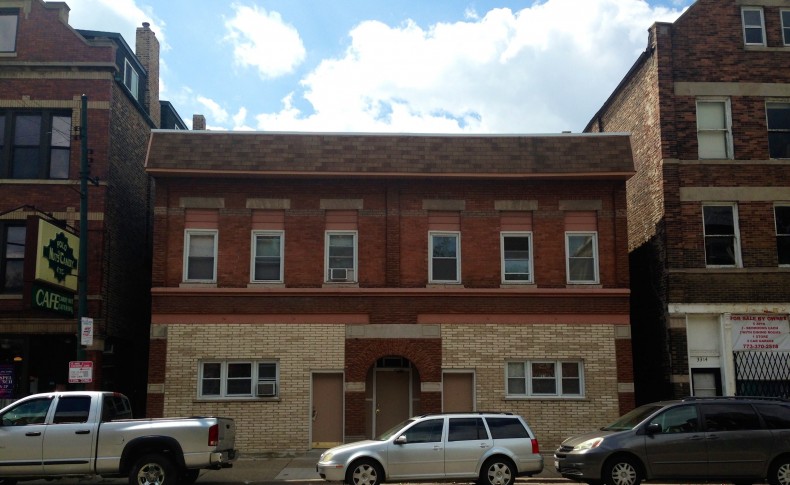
(721, 236)
(753, 26)
(782, 222)
(785, 15)
(35, 144)
(13, 257)
(9, 21)
(778, 118)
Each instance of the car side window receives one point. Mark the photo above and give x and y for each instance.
(28, 412)
(429, 431)
(776, 416)
(506, 428)
(730, 417)
(464, 429)
(72, 409)
(681, 419)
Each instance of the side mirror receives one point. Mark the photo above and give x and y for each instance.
(653, 428)
(401, 440)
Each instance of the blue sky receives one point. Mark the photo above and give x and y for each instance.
(408, 66)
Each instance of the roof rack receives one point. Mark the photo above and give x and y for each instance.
(504, 413)
(734, 398)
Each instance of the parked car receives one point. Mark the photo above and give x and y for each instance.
(723, 439)
(90, 433)
(492, 447)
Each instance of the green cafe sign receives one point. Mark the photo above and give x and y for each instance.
(56, 256)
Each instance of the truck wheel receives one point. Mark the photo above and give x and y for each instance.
(153, 470)
(189, 476)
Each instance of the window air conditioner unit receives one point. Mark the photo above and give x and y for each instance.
(340, 274)
(267, 389)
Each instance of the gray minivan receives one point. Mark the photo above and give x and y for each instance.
(732, 439)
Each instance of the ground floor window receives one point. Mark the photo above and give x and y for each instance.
(232, 379)
(538, 378)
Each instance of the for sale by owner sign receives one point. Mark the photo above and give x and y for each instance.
(760, 332)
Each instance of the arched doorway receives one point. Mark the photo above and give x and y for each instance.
(394, 390)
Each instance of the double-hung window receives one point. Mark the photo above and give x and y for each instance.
(341, 256)
(12, 258)
(35, 144)
(581, 249)
(722, 245)
(516, 257)
(545, 378)
(785, 15)
(778, 117)
(238, 379)
(9, 18)
(200, 256)
(445, 257)
(753, 26)
(267, 256)
(782, 221)
(714, 128)
(131, 79)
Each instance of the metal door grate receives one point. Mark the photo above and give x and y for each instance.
(765, 374)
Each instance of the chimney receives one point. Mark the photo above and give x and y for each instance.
(147, 51)
(198, 122)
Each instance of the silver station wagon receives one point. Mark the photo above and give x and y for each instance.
(493, 448)
(724, 439)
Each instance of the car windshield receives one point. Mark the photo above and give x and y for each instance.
(391, 432)
(631, 419)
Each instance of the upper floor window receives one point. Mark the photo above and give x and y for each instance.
(35, 144)
(722, 245)
(445, 257)
(341, 256)
(131, 78)
(714, 135)
(8, 25)
(12, 259)
(782, 221)
(516, 257)
(581, 249)
(778, 116)
(753, 26)
(785, 26)
(267, 256)
(232, 379)
(545, 378)
(200, 256)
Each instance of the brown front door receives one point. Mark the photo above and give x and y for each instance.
(327, 422)
(458, 392)
(393, 399)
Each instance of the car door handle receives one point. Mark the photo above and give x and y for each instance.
(437, 448)
(696, 437)
(33, 433)
(82, 431)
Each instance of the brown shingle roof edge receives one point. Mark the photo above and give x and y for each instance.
(207, 153)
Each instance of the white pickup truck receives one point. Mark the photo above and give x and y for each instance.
(77, 433)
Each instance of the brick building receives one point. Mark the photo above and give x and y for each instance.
(45, 68)
(708, 106)
(319, 288)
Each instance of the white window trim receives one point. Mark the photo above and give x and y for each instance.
(762, 24)
(457, 235)
(785, 28)
(502, 236)
(776, 229)
(188, 233)
(255, 379)
(527, 364)
(596, 279)
(355, 269)
(727, 125)
(256, 233)
(134, 80)
(736, 236)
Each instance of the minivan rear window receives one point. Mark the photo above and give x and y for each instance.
(506, 428)
(776, 416)
(730, 417)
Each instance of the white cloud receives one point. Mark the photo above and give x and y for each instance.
(217, 113)
(262, 40)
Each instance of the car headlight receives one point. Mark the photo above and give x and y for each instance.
(588, 445)
(327, 456)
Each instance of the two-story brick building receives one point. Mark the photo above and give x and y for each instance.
(708, 106)
(321, 287)
(45, 68)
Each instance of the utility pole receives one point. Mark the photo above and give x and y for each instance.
(82, 277)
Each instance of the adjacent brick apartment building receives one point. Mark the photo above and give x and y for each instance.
(45, 68)
(319, 288)
(708, 106)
